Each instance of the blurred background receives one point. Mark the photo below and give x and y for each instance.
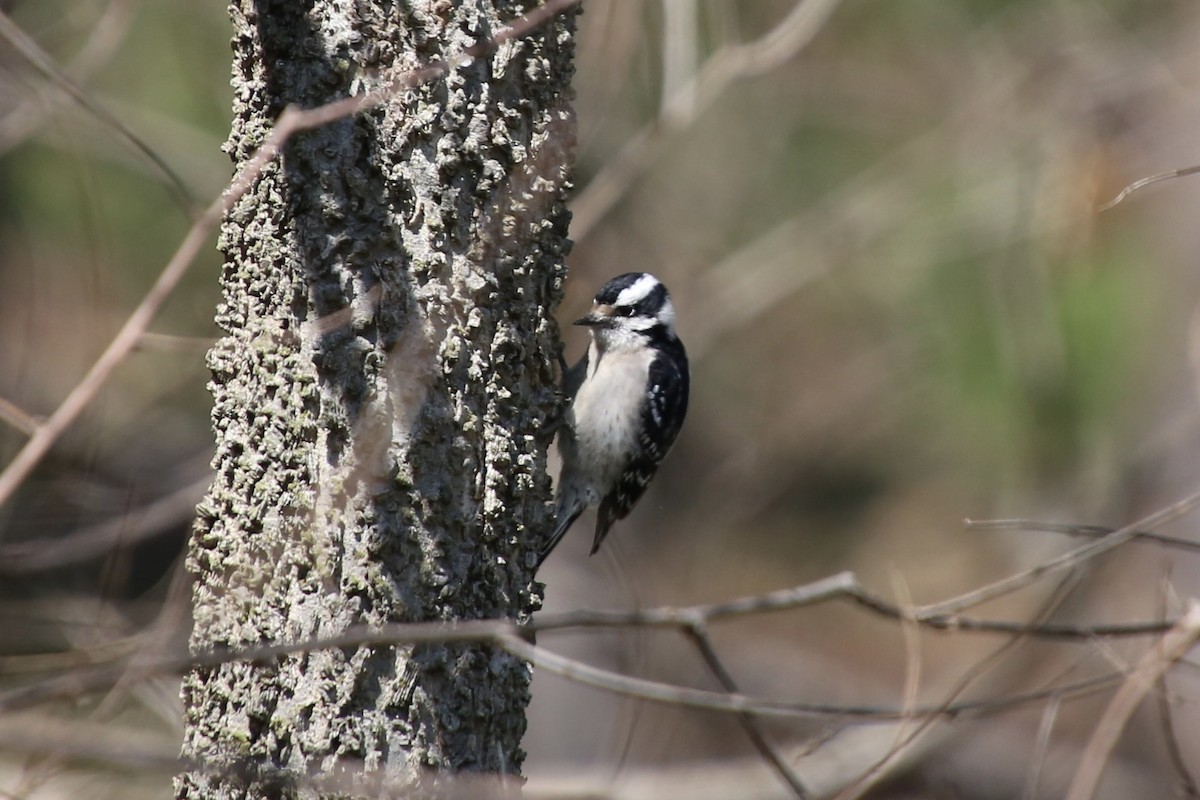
(879, 223)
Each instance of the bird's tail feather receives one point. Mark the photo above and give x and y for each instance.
(565, 518)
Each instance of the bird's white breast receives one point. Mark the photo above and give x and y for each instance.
(607, 411)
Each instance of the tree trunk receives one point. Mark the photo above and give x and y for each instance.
(379, 397)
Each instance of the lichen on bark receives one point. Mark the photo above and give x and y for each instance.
(380, 395)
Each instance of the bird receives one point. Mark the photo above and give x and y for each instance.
(627, 399)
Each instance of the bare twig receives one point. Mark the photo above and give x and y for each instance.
(682, 108)
(1088, 531)
(975, 673)
(1148, 181)
(1187, 784)
(79, 656)
(698, 633)
(1041, 745)
(290, 122)
(680, 48)
(910, 727)
(740, 704)
(842, 586)
(17, 417)
(1065, 561)
(35, 734)
(910, 630)
(154, 519)
(43, 63)
(104, 39)
(1152, 666)
(81, 396)
(514, 639)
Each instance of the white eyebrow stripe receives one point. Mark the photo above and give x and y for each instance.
(637, 291)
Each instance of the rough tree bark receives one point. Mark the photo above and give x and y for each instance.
(379, 394)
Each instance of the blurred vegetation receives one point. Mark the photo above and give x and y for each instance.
(902, 305)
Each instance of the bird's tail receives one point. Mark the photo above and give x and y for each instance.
(566, 516)
(605, 518)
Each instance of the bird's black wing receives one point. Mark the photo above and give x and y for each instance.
(662, 417)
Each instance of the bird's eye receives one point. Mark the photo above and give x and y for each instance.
(624, 311)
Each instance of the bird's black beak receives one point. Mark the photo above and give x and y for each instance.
(598, 316)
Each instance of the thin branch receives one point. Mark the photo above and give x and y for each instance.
(290, 122)
(514, 639)
(81, 396)
(777, 46)
(907, 734)
(910, 631)
(1148, 181)
(147, 522)
(18, 417)
(76, 657)
(727, 65)
(78, 682)
(1067, 560)
(1088, 531)
(43, 63)
(1041, 745)
(680, 47)
(1150, 669)
(669, 694)
(698, 634)
(975, 673)
(104, 39)
(842, 586)
(1187, 784)
(40, 735)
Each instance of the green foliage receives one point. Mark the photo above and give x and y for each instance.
(1033, 381)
